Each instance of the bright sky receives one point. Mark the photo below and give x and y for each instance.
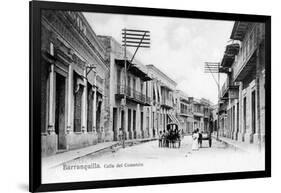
(179, 47)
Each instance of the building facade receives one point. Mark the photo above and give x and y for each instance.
(131, 113)
(162, 92)
(242, 108)
(86, 95)
(202, 109)
(75, 87)
(184, 112)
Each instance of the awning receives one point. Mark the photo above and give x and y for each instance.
(173, 118)
(155, 91)
(159, 95)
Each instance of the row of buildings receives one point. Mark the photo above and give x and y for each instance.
(83, 89)
(242, 102)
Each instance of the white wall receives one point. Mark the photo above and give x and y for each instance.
(14, 122)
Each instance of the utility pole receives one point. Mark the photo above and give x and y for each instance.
(214, 67)
(132, 38)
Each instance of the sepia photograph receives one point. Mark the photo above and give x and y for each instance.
(135, 96)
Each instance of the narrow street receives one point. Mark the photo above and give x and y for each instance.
(147, 159)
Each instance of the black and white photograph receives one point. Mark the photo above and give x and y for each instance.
(130, 96)
(140, 96)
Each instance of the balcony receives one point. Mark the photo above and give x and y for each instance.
(231, 51)
(167, 103)
(198, 109)
(206, 113)
(198, 113)
(132, 95)
(222, 108)
(229, 90)
(245, 61)
(185, 113)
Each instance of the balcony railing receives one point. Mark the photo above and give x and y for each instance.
(207, 113)
(167, 102)
(250, 43)
(185, 112)
(133, 94)
(198, 112)
(222, 108)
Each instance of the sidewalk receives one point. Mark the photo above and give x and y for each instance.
(60, 158)
(242, 146)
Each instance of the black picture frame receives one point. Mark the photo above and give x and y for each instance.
(35, 8)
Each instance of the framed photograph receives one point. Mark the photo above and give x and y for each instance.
(129, 96)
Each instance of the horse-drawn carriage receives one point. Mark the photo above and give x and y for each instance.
(171, 137)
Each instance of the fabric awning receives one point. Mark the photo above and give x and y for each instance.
(160, 96)
(155, 91)
(173, 118)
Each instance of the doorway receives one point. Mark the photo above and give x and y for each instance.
(90, 99)
(129, 124)
(60, 111)
(114, 125)
(134, 124)
(98, 121)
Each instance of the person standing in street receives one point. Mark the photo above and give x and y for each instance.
(195, 137)
(160, 144)
(200, 136)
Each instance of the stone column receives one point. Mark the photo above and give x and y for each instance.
(84, 105)
(235, 121)
(248, 120)
(126, 129)
(161, 120)
(69, 128)
(257, 134)
(52, 80)
(138, 121)
(241, 125)
(150, 122)
(262, 109)
(119, 119)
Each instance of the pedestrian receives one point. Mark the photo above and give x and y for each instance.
(177, 137)
(200, 136)
(164, 139)
(160, 139)
(195, 137)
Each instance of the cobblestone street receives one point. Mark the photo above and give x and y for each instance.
(147, 159)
